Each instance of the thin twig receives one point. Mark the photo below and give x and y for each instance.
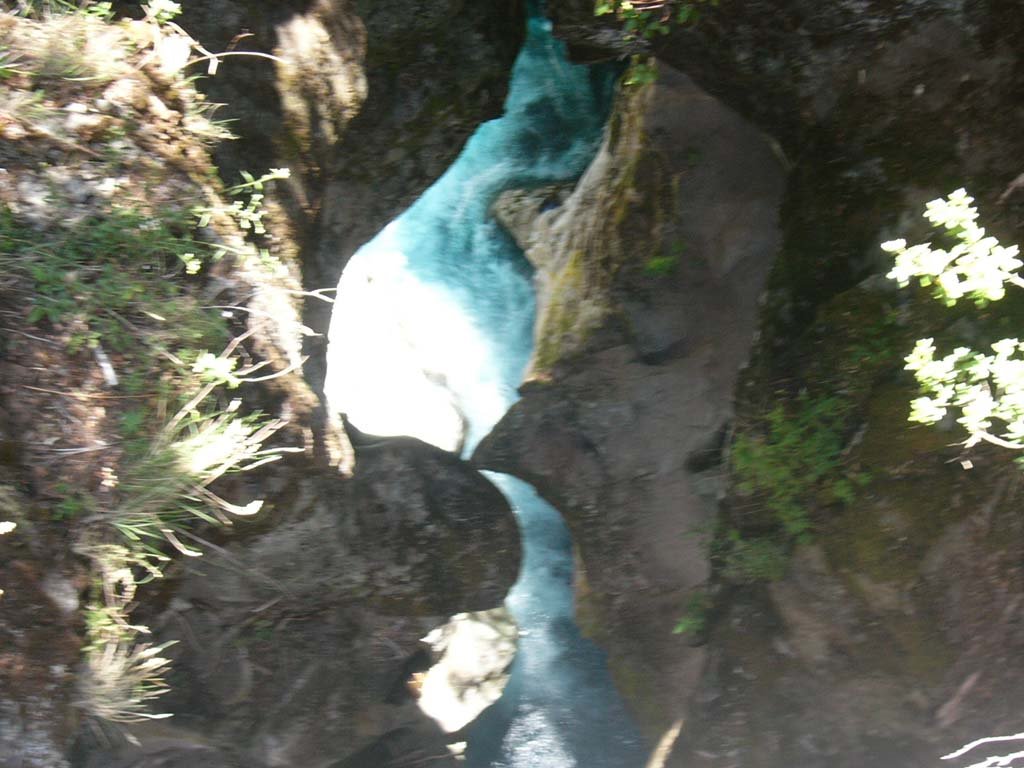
(270, 459)
(236, 341)
(75, 451)
(304, 330)
(267, 605)
(317, 294)
(285, 372)
(89, 395)
(51, 342)
(979, 742)
(990, 438)
(251, 369)
(217, 56)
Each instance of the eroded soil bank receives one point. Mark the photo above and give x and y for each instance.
(100, 127)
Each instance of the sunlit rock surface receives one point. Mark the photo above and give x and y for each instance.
(474, 652)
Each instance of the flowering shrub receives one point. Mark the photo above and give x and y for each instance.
(975, 266)
(987, 390)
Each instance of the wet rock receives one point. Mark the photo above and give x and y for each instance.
(518, 210)
(450, 540)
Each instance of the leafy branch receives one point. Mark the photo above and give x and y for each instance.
(647, 18)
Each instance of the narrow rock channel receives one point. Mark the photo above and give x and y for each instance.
(432, 330)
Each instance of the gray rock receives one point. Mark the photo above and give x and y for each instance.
(636, 368)
(38, 655)
(300, 642)
(518, 210)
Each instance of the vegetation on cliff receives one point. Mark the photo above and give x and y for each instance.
(127, 276)
(643, 20)
(986, 390)
(801, 456)
(647, 18)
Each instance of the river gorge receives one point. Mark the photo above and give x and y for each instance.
(431, 335)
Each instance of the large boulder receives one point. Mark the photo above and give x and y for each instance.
(649, 275)
(302, 641)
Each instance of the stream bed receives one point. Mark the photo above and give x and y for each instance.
(432, 331)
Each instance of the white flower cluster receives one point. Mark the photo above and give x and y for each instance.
(976, 266)
(988, 390)
(162, 10)
(216, 368)
(985, 388)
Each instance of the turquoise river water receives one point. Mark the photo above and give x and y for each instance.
(432, 330)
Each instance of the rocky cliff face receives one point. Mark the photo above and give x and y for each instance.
(369, 103)
(877, 106)
(317, 622)
(867, 651)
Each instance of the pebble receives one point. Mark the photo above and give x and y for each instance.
(123, 94)
(13, 132)
(85, 126)
(159, 109)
